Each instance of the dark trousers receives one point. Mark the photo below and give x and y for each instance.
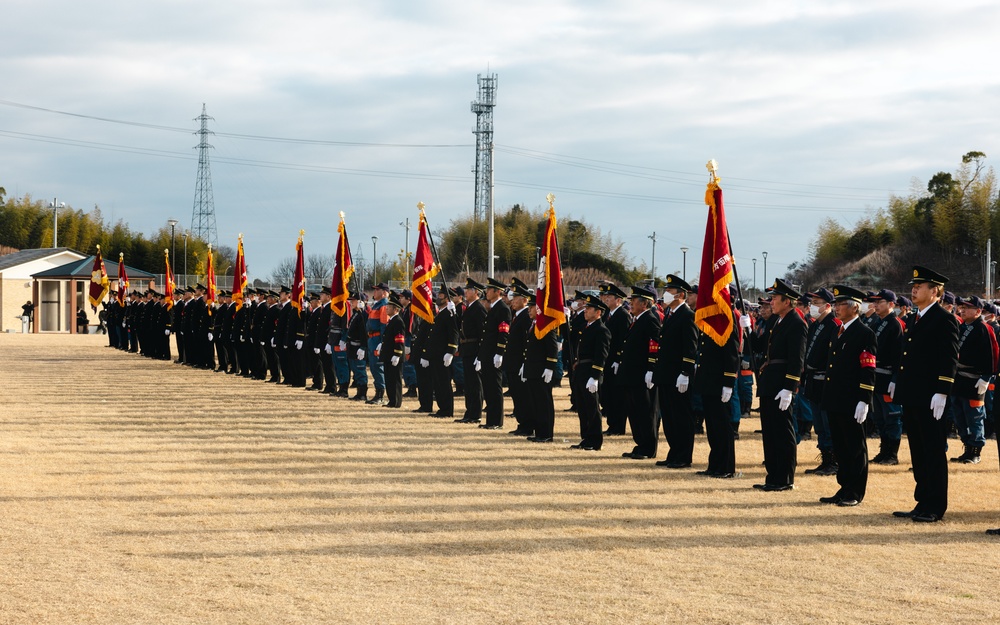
(778, 435)
(541, 407)
(520, 397)
(223, 353)
(393, 384)
(613, 403)
(473, 389)
(678, 423)
(492, 393)
(640, 418)
(928, 440)
(443, 393)
(329, 377)
(263, 360)
(273, 361)
(719, 431)
(850, 446)
(296, 367)
(425, 387)
(589, 412)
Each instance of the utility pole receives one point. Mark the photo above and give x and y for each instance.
(684, 265)
(406, 250)
(764, 281)
(652, 270)
(55, 205)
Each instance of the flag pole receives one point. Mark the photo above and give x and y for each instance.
(437, 258)
(712, 167)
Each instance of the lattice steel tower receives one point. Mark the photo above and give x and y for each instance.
(203, 214)
(483, 108)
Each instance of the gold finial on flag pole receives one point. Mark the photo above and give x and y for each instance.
(302, 233)
(341, 215)
(420, 206)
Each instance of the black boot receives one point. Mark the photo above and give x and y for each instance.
(827, 465)
(342, 390)
(361, 394)
(965, 455)
(973, 454)
(887, 454)
(379, 398)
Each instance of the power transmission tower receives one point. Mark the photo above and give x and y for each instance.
(483, 108)
(203, 214)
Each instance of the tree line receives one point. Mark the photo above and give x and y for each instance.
(944, 224)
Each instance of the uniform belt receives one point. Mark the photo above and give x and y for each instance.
(776, 361)
(372, 335)
(585, 361)
(465, 341)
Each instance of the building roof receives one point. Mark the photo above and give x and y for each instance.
(27, 256)
(83, 269)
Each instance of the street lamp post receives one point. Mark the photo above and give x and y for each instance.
(684, 265)
(406, 250)
(652, 271)
(755, 277)
(764, 254)
(55, 205)
(374, 260)
(173, 259)
(186, 233)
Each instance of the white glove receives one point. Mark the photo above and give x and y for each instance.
(261, 343)
(727, 394)
(450, 306)
(938, 402)
(273, 344)
(378, 349)
(406, 350)
(210, 337)
(477, 364)
(166, 333)
(243, 339)
(682, 383)
(394, 360)
(592, 385)
(892, 390)
(614, 367)
(123, 324)
(981, 385)
(497, 361)
(547, 376)
(861, 412)
(316, 350)
(361, 354)
(425, 363)
(649, 379)
(298, 344)
(559, 345)
(520, 374)
(447, 359)
(784, 398)
(329, 348)
(745, 321)
(342, 345)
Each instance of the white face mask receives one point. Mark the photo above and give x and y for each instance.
(667, 298)
(864, 308)
(813, 311)
(575, 305)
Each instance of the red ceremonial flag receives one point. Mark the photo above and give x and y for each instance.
(122, 279)
(549, 296)
(98, 281)
(299, 279)
(210, 281)
(424, 270)
(714, 315)
(169, 279)
(239, 275)
(342, 272)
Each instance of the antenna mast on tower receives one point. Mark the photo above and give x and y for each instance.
(483, 108)
(203, 214)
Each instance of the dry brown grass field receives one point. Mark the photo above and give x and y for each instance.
(135, 491)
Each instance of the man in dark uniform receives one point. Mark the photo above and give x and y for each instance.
(442, 344)
(473, 319)
(847, 392)
(635, 364)
(540, 358)
(357, 342)
(674, 372)
(924, 381)
(421, 330)
(715, 383)
(295, 342)
(887, 415)
(312, 351)
(456, 296)
(219, 326)
(588, 372)
(491, 352)
(392, 353)
(779, 379)
(977, 360)
(270, 336)
(576, 322)
(617, 320)
(820, 333)
(520, 325)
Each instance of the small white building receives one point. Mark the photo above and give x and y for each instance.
(16, 283)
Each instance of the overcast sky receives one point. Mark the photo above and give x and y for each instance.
(812, 108)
